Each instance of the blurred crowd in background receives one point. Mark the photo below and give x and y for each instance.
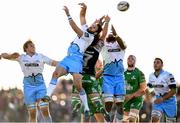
(12, 108)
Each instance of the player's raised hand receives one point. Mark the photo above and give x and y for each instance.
(107, 18)
(113, 30)
(83, 6)
(99, 21)
(65, 8)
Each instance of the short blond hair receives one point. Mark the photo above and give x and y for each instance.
(25, 46)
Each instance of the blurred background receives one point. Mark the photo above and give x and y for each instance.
(12, 108)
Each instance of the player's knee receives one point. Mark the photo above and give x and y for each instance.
(125, 118)
(108, 106)
(170, 120)
(156, 116)
(32, 111)
(133, 116)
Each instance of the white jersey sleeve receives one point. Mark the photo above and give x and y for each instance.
(18, 59)
(46, 59)
(171, 79)
(84, 27)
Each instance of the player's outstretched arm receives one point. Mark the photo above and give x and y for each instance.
(105, 29)
(119, 40)
(12, 56)
(73, 25)
(83, 13)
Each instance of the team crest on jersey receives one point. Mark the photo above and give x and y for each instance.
(133, 77)
(86, 34)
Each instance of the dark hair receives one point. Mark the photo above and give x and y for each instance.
(159, 60)
(25, 46)
(95, 41)
(110, 38)
(99, 28)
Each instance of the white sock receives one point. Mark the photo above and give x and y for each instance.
(83, 97)
(50, 89)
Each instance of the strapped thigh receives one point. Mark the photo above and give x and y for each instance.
(156, 113)
(42, 104)
(119, 98)
(108, 97)
(31, 106)
(170, 119)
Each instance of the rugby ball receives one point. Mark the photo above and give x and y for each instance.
(123, 6)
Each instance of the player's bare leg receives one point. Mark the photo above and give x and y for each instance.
(156, 116)
(134, 116)
(125, 117)
(77, 83)
(32, 113)
(44, 109)
(119, 107)
(59, 71)
(97, 102)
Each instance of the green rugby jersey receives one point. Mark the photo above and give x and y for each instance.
(133, 79)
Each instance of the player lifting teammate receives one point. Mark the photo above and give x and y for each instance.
(73, 62)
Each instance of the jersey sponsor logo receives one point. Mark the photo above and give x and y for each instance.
(157, 85)
(128, 73)
(172, 80)
(114, 50)
(31, 64)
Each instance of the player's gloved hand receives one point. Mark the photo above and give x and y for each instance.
(150, 85)
(107, 18)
